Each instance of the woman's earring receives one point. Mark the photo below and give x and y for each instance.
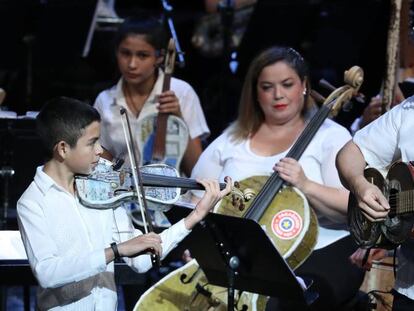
(304, 91)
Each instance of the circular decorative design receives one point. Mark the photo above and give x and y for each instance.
(287, 224)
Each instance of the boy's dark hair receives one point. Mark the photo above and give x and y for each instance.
(64, 119)
(150, 27)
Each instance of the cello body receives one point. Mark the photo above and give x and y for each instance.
(289, 221)
(174, 293)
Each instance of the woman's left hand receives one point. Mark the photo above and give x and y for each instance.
(291, 171)
(168, 103)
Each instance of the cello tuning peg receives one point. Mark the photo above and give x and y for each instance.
(237, 202)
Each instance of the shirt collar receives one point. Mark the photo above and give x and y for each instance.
(42, 180)
(45, 182)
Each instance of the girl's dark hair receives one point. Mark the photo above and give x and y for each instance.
(250, 115)
(150, 27)
(64, 119)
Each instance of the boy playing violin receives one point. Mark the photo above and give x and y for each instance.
(71, 248)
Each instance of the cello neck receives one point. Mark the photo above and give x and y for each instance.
(275, 183)
(158, 152)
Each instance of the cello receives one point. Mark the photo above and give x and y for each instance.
(188, 289)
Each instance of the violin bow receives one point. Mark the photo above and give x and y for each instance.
(138, 180)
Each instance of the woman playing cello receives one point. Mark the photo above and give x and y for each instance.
(274, 110)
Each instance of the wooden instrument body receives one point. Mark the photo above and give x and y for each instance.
(397, 187)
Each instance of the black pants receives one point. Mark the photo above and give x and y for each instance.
(402, 303)
(336, 280)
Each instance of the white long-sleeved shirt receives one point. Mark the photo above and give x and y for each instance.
(65, 244)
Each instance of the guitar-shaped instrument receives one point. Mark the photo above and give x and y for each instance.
(398, 188)
(283, 212)
(162, 137)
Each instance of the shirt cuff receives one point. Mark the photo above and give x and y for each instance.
(172, 236)
(181, 231)
(199, 132)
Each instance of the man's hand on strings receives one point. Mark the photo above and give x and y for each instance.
(370, 199)
(168, 103)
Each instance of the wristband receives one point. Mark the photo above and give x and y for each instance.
(115, 250)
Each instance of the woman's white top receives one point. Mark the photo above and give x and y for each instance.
(225, 157)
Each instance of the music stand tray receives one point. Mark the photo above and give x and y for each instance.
(236, 253)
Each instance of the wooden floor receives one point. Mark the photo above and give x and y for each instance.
(380, 278)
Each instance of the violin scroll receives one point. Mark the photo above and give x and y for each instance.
(170, 57)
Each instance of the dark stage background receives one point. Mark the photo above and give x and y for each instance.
(42, 43)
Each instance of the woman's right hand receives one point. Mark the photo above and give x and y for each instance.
(142, 244)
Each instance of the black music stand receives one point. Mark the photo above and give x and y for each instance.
(236, 253)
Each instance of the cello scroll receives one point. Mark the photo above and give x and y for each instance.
(353, 79)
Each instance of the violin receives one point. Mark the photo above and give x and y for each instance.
(161, 137)
(107, 187)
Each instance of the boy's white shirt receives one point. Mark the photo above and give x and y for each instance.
(65, 241)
